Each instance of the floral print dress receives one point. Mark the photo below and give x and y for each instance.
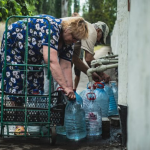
(37, 37)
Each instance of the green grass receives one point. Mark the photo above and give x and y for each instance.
(97, 47)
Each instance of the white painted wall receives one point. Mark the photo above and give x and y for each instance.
(133, 46)
(120, 46)
(139, 76)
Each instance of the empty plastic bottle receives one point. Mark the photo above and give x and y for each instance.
(75, 120)
(115, 90)
(112, 103)
(102, 98)
(62, 129)
(93, 116)
(84, 93)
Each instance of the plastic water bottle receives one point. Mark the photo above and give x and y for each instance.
(62, 129)
(115, 90)
(112, 103)
(102, 99)
(93, 116)
(84, 93)
(79, 98)
(75, 121)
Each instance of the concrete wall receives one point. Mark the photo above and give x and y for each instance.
(120, 46)
(139, 76)
(133, 46)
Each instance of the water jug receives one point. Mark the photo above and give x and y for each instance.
(75, 121)
(93, 116)
(115, 90)
(62, 129)
(84, 92)
(112, 103)
(102, 98)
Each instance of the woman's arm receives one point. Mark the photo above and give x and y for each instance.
(67, 71)
(56, 70)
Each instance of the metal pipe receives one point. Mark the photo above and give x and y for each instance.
(110, 56)
(107, 61)
(103, 61)
(99, 69)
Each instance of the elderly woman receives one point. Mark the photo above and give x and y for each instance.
(63, 33)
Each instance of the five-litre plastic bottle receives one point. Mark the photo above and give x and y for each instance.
(93, 116)
(102, 98)
(115, 90)
(112, 103)
(83, 94)
(75, 120)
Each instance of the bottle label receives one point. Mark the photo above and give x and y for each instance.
(92, 115)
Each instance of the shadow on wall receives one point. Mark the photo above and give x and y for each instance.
(2, 29)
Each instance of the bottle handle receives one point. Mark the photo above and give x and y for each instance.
(96, 84)
(91, 96)
(59, 89)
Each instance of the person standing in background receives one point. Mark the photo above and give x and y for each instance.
(97, 35)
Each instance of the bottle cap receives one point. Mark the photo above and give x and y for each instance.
(99, 85)
(35, 91)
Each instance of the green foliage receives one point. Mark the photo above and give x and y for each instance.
(16, 7)
(101, 10)
(30, 7)
(57, 8)
(76, 6)
(50, 7)
(69, 7)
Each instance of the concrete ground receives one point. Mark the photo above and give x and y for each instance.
(62, 143)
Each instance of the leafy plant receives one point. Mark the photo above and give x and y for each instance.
(16, 7)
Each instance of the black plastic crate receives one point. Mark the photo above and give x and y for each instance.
(33, 114)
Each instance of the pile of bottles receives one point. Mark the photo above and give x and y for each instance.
(83, 116)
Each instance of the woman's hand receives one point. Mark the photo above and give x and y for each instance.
(69, 93)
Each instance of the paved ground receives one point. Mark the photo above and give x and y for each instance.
(113, 143)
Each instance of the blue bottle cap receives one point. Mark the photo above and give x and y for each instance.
(36, 91)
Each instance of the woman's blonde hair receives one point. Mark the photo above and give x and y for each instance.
(77, 26)
(75, 14)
